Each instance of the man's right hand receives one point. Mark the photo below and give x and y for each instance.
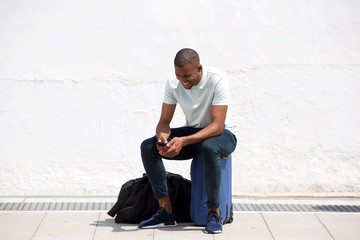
(163, 128)
(160, 148)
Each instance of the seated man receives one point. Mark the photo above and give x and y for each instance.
(203, 94)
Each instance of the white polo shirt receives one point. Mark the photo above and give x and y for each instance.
(213, 89)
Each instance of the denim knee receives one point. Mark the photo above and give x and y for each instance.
(209, 148)
(148, 148)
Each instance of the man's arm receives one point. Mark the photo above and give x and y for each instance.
(163, 127)
(218, 115)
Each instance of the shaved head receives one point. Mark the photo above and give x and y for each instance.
(186, 56)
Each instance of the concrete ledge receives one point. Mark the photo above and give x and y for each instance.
(299, 194)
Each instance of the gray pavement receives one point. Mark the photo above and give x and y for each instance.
(96, 224)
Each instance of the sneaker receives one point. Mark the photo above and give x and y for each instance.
(213, 224)
(160, 219)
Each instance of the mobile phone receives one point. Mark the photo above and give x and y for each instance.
(160, 143)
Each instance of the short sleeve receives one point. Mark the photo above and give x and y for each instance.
(222, 92)
(169, 94)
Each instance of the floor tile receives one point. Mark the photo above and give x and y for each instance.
(97, 225)
(108, 229)
(184, 231)
(68, 225)
(19, 225)
(246, 225)
(342, 226)
(300, 226)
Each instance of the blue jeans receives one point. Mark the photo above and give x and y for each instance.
(212, 150)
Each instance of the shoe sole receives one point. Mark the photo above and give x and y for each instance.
(160, 225)
(213, 232)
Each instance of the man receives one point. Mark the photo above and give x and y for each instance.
(203, 94)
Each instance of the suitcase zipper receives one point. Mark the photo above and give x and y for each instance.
(226, 216)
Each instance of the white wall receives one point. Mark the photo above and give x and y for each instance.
(81, 85)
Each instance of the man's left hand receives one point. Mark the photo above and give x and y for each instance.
(175, 146)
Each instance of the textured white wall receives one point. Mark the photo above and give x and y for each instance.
(81, 85)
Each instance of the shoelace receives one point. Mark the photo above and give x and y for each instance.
(213, 217)
(158, 214)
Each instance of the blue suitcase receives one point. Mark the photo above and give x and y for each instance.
(198, 203)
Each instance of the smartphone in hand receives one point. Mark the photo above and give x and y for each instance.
(160, 143)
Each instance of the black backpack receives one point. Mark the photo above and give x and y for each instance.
(136, 201)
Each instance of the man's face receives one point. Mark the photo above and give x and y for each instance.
(189, 75)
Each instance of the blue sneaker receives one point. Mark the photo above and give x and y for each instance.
(213, 224)
(160, 219)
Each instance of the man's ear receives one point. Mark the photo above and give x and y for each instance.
(199, 67)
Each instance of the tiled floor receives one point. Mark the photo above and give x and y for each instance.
(96, 225)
